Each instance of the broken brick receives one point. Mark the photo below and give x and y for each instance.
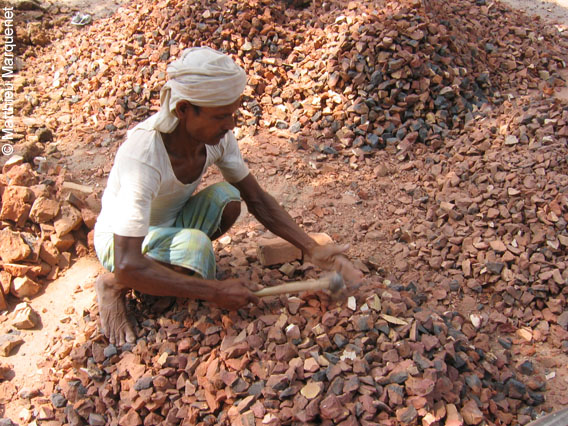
(68, 219)
(24, 287)
(44, 209)
(12, 246)
(276, 251)
(16, 204)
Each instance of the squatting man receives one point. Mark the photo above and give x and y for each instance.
(152, 225)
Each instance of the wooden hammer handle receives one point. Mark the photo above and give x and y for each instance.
(293, 287)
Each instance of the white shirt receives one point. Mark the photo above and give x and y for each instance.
(142, 189)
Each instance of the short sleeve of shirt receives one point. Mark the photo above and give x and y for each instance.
(139, 185)
(231, 163)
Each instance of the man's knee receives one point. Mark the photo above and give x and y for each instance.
(231, 212)
(230, 215)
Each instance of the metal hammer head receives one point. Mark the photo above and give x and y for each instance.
(337, 288)
(336, 283)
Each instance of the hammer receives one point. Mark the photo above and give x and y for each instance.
(334, 283)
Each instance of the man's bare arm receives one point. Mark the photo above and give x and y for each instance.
(136, 271)
(266, 209)
(271, 214)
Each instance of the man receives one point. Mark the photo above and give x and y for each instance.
(150, 218)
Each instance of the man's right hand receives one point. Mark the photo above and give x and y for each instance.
(234, 294)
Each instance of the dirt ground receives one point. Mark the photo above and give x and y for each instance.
(298, 184)
(552, 11)
(97, 9)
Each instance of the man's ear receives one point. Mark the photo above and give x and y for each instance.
(182, 108)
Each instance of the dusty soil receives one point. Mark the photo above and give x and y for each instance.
(300, 184)
(554, 12)
(97, 9)
(56, 308)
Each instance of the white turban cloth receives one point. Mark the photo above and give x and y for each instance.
(203, 77)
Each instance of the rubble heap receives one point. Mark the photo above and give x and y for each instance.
(495, 211)
(44, 221)
(382, 359)
(347, 75)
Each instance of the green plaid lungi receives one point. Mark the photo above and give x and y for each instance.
(188, 242)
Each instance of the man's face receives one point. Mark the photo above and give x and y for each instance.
(208, 125)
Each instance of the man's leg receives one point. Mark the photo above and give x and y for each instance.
(213, 210)
(206, 216)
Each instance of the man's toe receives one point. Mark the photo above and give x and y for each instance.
(119, 337)
(130, 336)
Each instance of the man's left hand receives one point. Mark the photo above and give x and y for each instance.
(331, 257)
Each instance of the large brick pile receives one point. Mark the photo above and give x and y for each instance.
(44, 224)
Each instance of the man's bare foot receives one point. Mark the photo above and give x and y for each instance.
(112, 311)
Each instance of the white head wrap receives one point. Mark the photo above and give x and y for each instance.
(202, 76)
